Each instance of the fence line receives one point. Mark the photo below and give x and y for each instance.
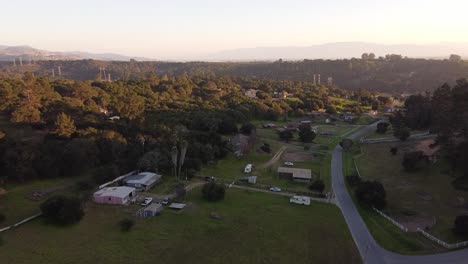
(441, 242)
(21, 222)
(393, 221)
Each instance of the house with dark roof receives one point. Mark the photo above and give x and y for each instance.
(142, 181)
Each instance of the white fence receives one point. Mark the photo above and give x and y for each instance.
(21, 222)
(393, 221)
(443, 243)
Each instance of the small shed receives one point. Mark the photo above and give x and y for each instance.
(295, 174)
(153, 209)
(177, 206)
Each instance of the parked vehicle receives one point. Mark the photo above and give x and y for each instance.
(210, 179)
(275, 189)
(288, 163)
(300, 200)
(147, 201)
(248, 168)
(165, 201)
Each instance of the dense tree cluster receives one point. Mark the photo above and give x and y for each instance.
(115, 127)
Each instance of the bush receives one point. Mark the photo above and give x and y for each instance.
(126, 224)
(346, 144)
(382, 127)
(460, 226)
(412, 160)
(317, 186)
(394, 150)
(266, 148)
(371, 193)
(403, 133)
(62, 210)
(213, 192)
(353, 180)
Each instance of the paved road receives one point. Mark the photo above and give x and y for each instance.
(370, 251)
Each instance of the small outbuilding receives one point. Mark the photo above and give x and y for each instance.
(177, 206)
(153, 209)
(115, 195)
(142, 181)
(295, 174)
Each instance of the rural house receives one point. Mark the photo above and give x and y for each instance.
(142, 181)
(295, 174)
(115, 195)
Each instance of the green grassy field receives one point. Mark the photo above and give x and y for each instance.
(384, 232)
(256, 228)
(15, 206)
(426, 193)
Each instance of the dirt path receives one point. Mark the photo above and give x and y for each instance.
(275, 158)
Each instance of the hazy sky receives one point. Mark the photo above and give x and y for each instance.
(179, 28)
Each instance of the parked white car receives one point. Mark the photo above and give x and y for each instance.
(288, 163)
(300, 200)
(248, 168)
(275, 189)
(147, 201)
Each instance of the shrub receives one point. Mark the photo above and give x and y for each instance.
(394, 150)
(62, 210)
(460, 225)
(317, 186)
(382, 127)
(371, 193)
(213, 192)
(403, 133)
(346, 144)
(412, 160)
(126, 224)
(266, 148)
(353, 180)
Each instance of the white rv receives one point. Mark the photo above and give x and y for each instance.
(248, 168)
(300, 200)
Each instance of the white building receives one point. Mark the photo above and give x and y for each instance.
(115, 195)
(251, 93)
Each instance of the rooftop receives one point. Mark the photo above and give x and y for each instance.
(177, 205)
(121, 191)
(154, 207)
(297, 173)
(144, 178)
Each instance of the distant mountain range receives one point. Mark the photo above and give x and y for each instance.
(341, 50)
(338, 50)
(26, 53)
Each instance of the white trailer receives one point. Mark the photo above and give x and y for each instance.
(300, 200)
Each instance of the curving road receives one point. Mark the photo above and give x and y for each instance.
(370, 251)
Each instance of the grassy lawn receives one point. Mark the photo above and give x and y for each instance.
(16, 207)
(384, 232)
(256, 228)
(426, 193)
